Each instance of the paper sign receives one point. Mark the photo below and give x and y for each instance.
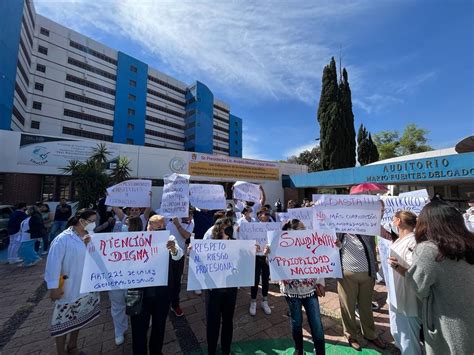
(406, 203)
(246, 191)
(130, 193)
(258, 231)
(416, 193)
(282, 216)
(175, 199)
(303, 254)
(358, 214)
(304, 214)
(206, 196)
(384, 251)
(125, 260)
(221, 263)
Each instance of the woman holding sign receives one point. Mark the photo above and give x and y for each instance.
(73, 310)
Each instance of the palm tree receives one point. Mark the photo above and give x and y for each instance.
(121, 170)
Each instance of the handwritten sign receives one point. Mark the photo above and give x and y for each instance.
(258, 231)
(246, 191)
(282, 216)
(206, 196)
(130, 193)
(359, 214)
(405, 203)
(416, 193)
(175, 199)
(304, 214)
(125, 260)
(303, 254)
(221, 263)
(384, 251)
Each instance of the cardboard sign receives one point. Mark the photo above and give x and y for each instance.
(384, 251)
(175, 199)
(207, 197)
(394, 204)
(258, 231)
(221, 263)
(303, 254)
(304, 214)
(358, 214)
(130, 193)
(125, 260)
(246, 191)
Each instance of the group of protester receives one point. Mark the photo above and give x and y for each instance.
(432, 257)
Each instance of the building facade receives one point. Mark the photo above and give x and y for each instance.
(55, 81)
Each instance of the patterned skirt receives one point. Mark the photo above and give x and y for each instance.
(72, 316)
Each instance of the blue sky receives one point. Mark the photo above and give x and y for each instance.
(408, 61)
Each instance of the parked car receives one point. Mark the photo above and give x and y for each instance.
(5, 212)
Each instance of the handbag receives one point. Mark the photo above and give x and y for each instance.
(134, 302)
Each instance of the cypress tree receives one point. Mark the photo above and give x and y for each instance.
(363, 148)
(374, 152)
(348, 154)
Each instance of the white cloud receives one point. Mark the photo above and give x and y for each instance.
(376, 103)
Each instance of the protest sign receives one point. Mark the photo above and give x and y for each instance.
(125, 260)
(384, 251)
(246, 191)
(416, 193)
(282, 216)
(175, 199)
(130, 193)
(394, 204)
(303, 254)
(358, 214)
(206, 196)
(215, 263)
(258, 231)
(304, 214)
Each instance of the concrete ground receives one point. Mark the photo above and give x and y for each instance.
(25, 315)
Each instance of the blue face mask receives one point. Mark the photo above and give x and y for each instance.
(124, 228)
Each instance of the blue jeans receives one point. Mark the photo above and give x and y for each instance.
(311, 306)
(56, 228)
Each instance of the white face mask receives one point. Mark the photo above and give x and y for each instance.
(90, 227)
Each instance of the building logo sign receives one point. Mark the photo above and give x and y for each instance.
(39, 155)
(177, 165)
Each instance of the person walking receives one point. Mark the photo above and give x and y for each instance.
(48, 218)
(13, 229)
(405, 324)
(442, 275)
(73, 309)
(61, 216)
(28, 251)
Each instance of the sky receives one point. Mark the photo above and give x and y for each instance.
(408, 61)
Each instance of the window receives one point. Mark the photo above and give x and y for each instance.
(39, 86)
(18, 116)
(21, 94)
(43, 50)
(236, 142)
(129, 141)
(87, 100)
(23, 72)
(166, 97)
(88, 117)
(35, 124)
(221, 119)
(164, 122)
(92, 52)
(221, 109)
(27, 31)
(222, 139)
(222, 129)
(89, 84)
(165, 84)
(133, 83)
(164, 109)
(25, 51)
(131, 112)
(41, 68)
(164, 135)
(30, 12)
(132, 97)
(44, 31)
(130, 126)
(37, 105)
(133, 69)
(91, 68)
(86, 134)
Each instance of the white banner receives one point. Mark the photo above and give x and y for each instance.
(358, 214)
(221, 263)
(246, 191)
(175, 199)
(394, 204)
(304, 214)
(258, 231)
(282, 216)
(416, 193)
(130, 193)
(125, 260)
(206, 196)
(384, 251)
(303, 254)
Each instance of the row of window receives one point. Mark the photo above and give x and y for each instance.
(42, 49)
(91, 68)
(18, 116)
(221, 119)
(165, 84)
(25, 51)
(23, 73)
(30, 12)
(89, 84)
(21, 94)
(92, 52)
(44, 31)
(37, 105)
(164, 109)
(87, 117)
(35, 124)
(27, 31)
(165, 97)
(41, 68)
(88, 100)
(222, 109)
(164, 135)
(163, 122)
(39, 86)
(222, 139)
(225, 150)
(86, 134)
(222, 129)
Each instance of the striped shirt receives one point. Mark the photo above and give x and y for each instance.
(353, 256)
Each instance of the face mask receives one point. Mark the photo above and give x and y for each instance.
(229, 231)
(124, 228)
(394, 228)
(90, 227)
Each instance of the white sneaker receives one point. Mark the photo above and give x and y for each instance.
(266, 308)
(119, 340)
(198, 292)
(253, 308)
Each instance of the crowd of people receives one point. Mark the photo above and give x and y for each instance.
(432, 257)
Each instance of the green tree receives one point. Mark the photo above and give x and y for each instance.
(366, 150)
(374, 152)
(310, 158)
(348, 156)
(414, 140)
(91, 178)
(387, 143)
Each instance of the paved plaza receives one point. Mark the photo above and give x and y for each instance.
(25, 314)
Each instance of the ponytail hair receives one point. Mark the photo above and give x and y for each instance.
(83, 213)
